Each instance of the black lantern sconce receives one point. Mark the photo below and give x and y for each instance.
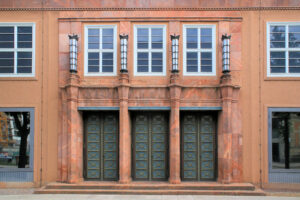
(73, 52)
(124, 44)
(226, 53)
(175, 44)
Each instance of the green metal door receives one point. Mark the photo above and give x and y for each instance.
(101, 146)
(198, 146)
(150, 146)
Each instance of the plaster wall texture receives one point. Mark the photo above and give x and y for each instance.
(46, 94)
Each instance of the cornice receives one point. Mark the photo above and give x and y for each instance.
(154, 9)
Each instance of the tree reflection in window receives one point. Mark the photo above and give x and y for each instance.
(14, 140)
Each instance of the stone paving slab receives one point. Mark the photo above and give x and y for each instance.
(137, 197)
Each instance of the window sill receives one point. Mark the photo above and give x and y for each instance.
(282, 78)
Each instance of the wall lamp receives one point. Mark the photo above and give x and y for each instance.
(73, 52)
(226, 53)
(175, 43)
(124, 42)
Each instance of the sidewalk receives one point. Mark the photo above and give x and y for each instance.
(135, 197)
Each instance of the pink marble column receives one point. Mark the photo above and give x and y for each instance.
(225, 135)
(74, 138)
(174, 153)
(125, 137)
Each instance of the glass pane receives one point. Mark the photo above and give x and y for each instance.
(93, 68)
(6, 29)
(277, 69)
(24, 62)
(24, 29)
(24, 54)
(157, 38)
(24, 44)
(192, 62)
(143, 62)
(93, 39)
(7, 59)
(24, 70)
(6, 70)
(285, 140)
(15, 139)
(93, 55)
(294, 69)
(93, 46)
(279, 54)
(107, 62)
(25, 40)
(294, 40)
(206, 31)
(93, 32)
(277, 36)
(192, 38)
(107, 38)
(157, 62)
(6, 44)
(206, 68)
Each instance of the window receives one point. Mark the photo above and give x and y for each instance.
(16, 144)
(100, 50)
(199, 50)
(150, 50)
(283, 44)
(284, 144)
(17, 44)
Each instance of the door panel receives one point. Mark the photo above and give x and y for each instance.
(101, 146)
(198, 146)
(150, 136)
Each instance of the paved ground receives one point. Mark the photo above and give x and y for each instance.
(136, 197)
(26, 194)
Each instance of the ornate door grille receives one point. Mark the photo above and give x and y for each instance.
(150, 146)
(198, 146)
(101, 146)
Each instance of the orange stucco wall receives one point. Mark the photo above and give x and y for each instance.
(248, 29)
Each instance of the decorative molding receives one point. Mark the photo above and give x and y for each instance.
(94, 108)
(155, 9)
(149, 108)
(201, 108)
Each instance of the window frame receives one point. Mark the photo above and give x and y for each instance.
(280, 175)
(150, 50)
(114, 50)
(184, 48)
(15, 49)
(286, 49)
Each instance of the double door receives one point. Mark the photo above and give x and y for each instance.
(101, 146)
(150, 132)
(198, 146)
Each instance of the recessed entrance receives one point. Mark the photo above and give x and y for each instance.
(101, 146)
(150, 145)
(198, 146)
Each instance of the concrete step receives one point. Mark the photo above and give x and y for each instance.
(155, 188)
(256, 192)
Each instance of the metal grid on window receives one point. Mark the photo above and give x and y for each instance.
(16, 49)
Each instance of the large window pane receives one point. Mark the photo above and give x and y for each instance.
(6, 37)
(143, 38)
(277, 36)
(286, 140)
(143, 62)
(14, 139)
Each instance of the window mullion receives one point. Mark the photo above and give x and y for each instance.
(15, 50)
(199, 50)
(286, 50)
(149, 51)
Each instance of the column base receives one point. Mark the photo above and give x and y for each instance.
(125, 181)
(174, 181)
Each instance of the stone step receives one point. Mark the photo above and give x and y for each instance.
(149, 186)
(256, 192)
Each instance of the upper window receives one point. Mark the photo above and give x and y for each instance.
(100, 50)
(283, 44)
(199, 50)
(17, 44)
(150, 50)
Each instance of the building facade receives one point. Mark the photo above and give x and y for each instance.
(143, 114)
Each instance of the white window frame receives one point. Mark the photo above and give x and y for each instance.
(150, 50)
(199, 50)
(286, 50)
(100, 50)
(15, 49)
